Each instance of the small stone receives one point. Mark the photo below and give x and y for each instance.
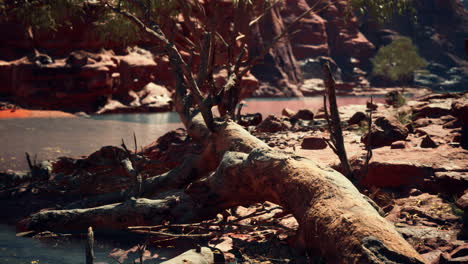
(288, 112)
(428, 142)
(415, 192)
(304, 114)
(399, 145)
(273, 124)
(313, 143)
(371, 106)
(357, 118)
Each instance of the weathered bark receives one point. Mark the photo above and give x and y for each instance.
(333, 216)
(336, 133)
(176, 178)
(174, 206)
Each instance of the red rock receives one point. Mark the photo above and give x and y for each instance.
(250, 119)
(273, 124)
(462, 202)
(313, 143)
(304, 114)
(249, 84)
(357, 118)
(460, 110)
(343, 32)
(311, 40)
(390, 174)
(385, 131)
(280, 70)
(288, 112)
(440, 170)
(432, 110)
(79, 82)
(399, 145)
(136, 70)
(168, 151)
(428, 142)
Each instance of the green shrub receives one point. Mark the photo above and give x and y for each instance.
(395, 99)
(397, 61)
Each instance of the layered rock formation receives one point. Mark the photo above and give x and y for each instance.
(83, 81)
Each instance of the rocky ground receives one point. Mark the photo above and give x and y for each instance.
(417, 177)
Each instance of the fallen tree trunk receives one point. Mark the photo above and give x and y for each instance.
(333, 216)
(176, 207)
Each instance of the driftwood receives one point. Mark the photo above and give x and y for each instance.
(174, 206)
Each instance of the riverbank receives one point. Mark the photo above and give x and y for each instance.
(417, 175)
(24, 113)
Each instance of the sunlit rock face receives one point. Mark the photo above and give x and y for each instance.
(83, 81)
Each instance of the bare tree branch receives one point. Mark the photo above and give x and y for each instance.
(335, 125)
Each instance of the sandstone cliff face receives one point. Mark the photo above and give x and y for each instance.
(83, 81)
(331, 31)
(98, 74)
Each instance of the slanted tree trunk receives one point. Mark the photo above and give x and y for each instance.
(333, 216)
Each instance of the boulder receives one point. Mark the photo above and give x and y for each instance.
(385, 131)
(274, 124)
(462, 202)
(250, 119)
(304, 114)
(459, 109)
(385, 174)
(168, 151)
(357, 118)
(399, 145)
(439, 171)
(432, 110)
(428, 142)
(288, 112)
(313, 143)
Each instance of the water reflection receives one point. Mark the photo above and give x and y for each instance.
(19, 250)
(51, 138)
(145, 118)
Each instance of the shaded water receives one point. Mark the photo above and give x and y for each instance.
(20, 250)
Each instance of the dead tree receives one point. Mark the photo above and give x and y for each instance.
(236, 168)
(336, 142)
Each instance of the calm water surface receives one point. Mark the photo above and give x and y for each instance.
(20, 250)
(51, 138)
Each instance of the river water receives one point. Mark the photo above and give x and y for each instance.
(20, 250)
(50, 138)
